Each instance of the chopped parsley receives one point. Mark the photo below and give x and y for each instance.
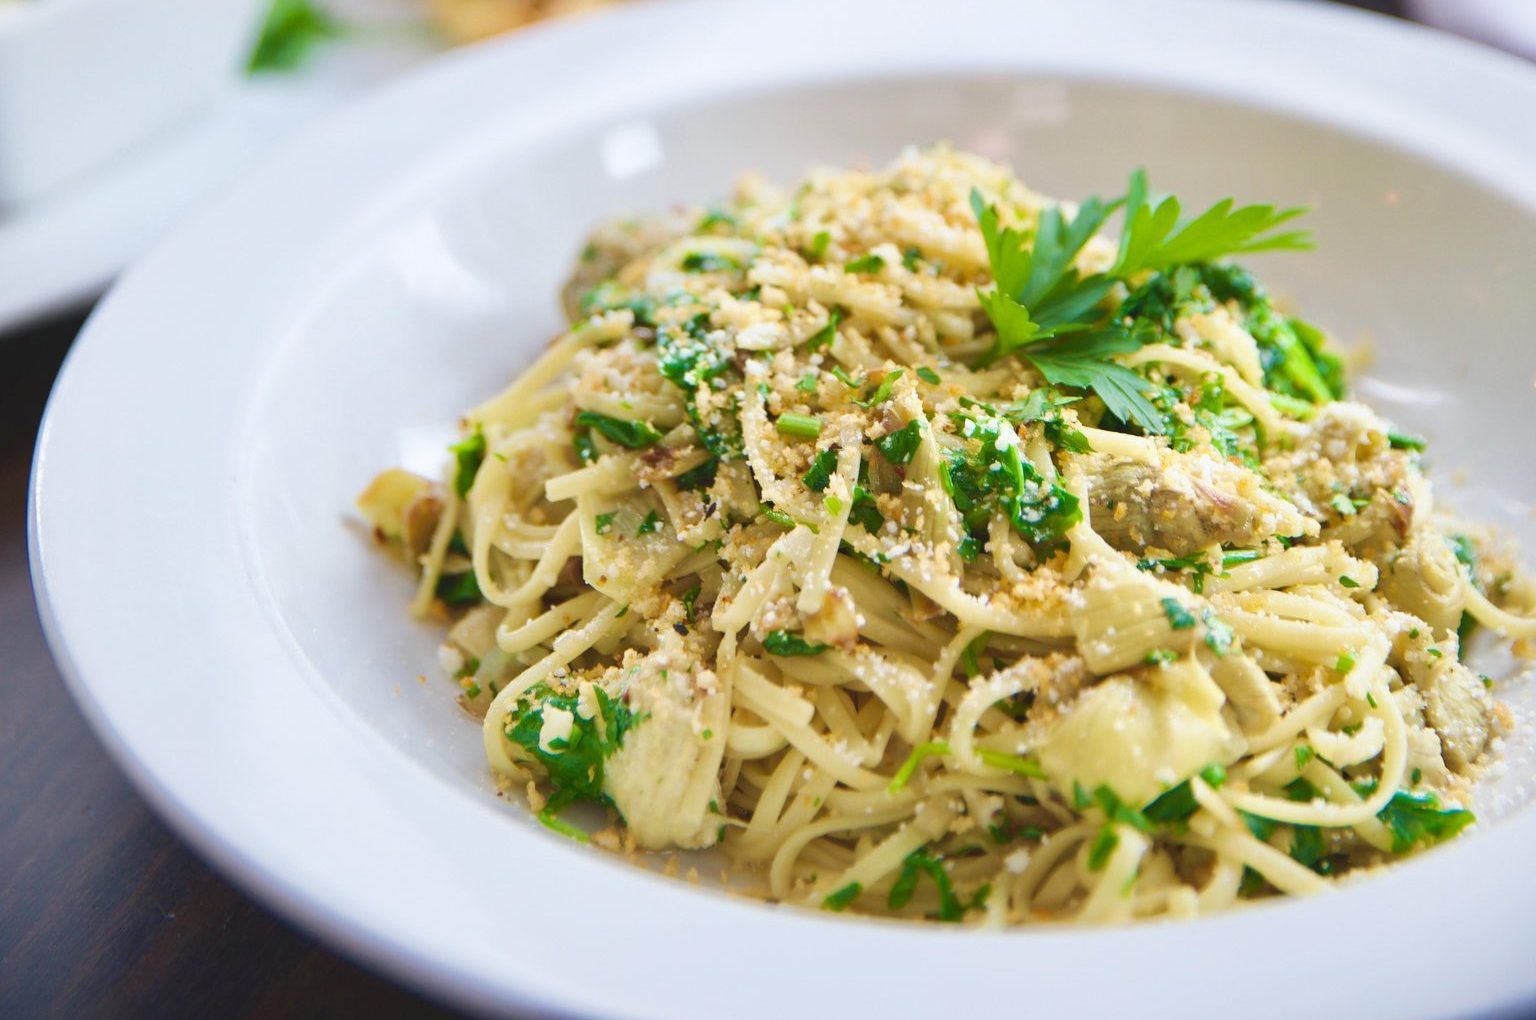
(715, 217)
(709, 262)
(1416, 819)
(840, 899)
(1308, 849)
(824, 336)
(555, 824)
(651, 523)
(586, 449)
(635, 435)
(917, 864)
(602, 522)
(819, 476)
(687, 359)
(1177, 803)
(291, 31)
(909, 767)
(469, 453)
(574, 763)
(1011, 762)
(1466, 554)
(786, 643)
(1179, 618)
(1342, 504)
(777, 516)
(1261, 828)
(611, 296)
(1197, 563)
(882, 392)
(459, 589)
(1218, 634)
(994, 477)
(799, 426)
(867, 263)
(1103, 846)
(899, 446)
(701, 477)
(928, 375)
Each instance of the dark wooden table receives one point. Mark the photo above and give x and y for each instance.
(103, 912)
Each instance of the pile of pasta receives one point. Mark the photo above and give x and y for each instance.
(777, 551)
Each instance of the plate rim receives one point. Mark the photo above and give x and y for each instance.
(302, 899)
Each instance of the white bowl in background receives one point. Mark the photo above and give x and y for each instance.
(1507, 24)
(246, 656)
(81, 81)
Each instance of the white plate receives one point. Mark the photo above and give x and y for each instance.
(65, 247)
(246, 656)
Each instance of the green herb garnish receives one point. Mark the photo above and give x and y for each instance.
(700, 477)
(899, 446)
(633, 434)
(819, 475)
(824, 336)
(882, 392)
(1179, 618)
(799, 426)
(291, 31)
(841, 898)
(867, 263)
(918, 863)
(787, 643)
(575, 763)
(709, 262)
(469, 453)
(1416, 819)
(459, 589)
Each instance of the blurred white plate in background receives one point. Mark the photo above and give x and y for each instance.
(1507, 24)
(64, 248)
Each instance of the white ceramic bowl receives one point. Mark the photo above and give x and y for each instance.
(245, 654)
(83, 80)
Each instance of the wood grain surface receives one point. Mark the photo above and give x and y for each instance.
(103, 912)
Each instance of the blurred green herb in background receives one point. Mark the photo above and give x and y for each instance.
(292, 29)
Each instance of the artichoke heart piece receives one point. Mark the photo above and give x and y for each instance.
(665, 778)
(1424, 578)
(394, 500)
(627, 544)
(1140, 736)
(1121, 616)
(1461, 711)
(1185, 504)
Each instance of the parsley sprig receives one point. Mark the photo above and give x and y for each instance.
(1048, 312)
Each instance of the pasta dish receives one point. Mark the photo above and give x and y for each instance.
(934, 550)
